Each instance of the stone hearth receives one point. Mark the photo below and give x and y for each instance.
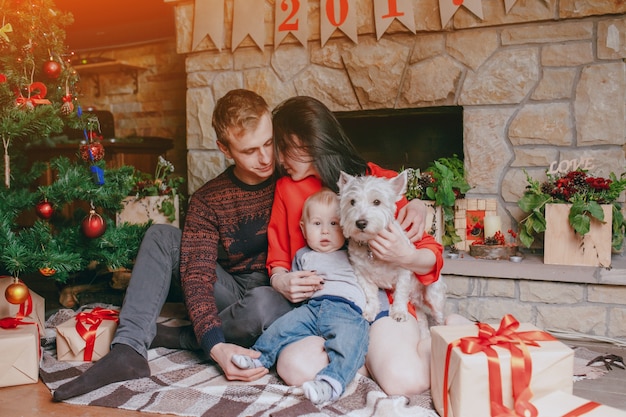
(545, 82)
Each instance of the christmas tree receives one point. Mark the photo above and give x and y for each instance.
(38, 99)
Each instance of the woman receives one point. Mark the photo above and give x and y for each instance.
(312, 149)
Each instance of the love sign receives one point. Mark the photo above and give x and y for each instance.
(565, 166)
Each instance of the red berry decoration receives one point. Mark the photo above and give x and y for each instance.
(44, 210)
(92, 152)
(52, 69)
(93, 225)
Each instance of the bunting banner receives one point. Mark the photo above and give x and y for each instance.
(291, 17)
(208, 20)
(337, 14)
(385, 11)
(508, 5)
(447, 9)
(248, 19)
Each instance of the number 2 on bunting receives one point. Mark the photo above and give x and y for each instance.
(330, 12)
(289, 23)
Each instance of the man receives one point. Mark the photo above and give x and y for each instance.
(221, 257)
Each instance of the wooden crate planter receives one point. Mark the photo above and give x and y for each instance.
(140, 210)
(562, 246)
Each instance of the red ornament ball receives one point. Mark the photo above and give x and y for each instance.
(92, 152)
(16, 293)
(52, 69)
(93, 225)
(44, 210)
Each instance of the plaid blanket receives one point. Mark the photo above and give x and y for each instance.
(184, 383)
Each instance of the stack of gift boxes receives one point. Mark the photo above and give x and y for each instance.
(85, 337)
(514, 370)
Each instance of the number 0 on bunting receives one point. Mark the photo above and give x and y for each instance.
(337, 14)
(291, 17)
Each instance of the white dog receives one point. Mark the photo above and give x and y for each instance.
(367, 206)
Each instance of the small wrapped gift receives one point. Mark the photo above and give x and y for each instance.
(561, 404)
(19, 344)
(33, 309)
(477, 370)
(87, 337)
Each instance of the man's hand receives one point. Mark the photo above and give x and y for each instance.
(297, 286)
(412, 218)
(222, 354)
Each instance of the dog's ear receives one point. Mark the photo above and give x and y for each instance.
(399, 184)
(343, 179)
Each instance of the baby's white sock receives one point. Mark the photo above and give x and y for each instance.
(246, 362)
(318, 391)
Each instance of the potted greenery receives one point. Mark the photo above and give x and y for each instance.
(443, 182)
(154, 197)
(584, 196)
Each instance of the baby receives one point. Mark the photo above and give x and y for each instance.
(334, 312)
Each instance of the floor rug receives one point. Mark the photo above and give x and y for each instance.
(183, 383)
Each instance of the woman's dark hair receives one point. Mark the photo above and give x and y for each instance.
(320, 136)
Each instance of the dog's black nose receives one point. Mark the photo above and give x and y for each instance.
(361, 224)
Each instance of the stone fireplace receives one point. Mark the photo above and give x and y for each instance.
(545, 82)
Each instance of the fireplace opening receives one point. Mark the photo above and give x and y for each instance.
(405, 138)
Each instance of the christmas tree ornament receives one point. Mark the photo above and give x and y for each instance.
(52, 69)
(93, 225)
(47, 271)
(97, 174)
(67, 107)
(44, 209)
(92, 152)
(17, 292)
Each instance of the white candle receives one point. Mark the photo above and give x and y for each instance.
(492, 225)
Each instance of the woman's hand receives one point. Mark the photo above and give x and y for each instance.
(297, 286)
(412, 218)
(222, 353)
(391, 245)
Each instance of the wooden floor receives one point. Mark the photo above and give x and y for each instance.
(35, 399)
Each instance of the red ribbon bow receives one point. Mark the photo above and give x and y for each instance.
(521, 364)
(93, 319)
(13, 322)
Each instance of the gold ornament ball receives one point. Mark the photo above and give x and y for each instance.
(16, 293)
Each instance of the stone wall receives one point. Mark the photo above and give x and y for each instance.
(583, 308)
(158, 106)
(545, 82)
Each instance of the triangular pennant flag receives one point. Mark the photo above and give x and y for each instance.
(248, 19)
(208, 19)
(337, 15)
(447, 9)
(291, 17)
(508, 4)
(385, 11)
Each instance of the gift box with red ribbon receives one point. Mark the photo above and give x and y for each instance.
(19, 344)
(479, 370)
(87, 336)
(33, 309)
(560, 404)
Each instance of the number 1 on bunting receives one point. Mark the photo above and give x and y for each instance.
(385, 11)
(290, 17)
